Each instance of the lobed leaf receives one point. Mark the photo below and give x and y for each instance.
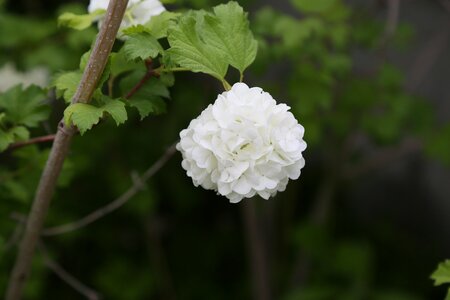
(228, 31)
(84, 116)
(191, 52)
(24, 106)
(66, 84)
(141, 45)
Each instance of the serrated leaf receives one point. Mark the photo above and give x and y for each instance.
(228, 31)
(189, 51)
(117, 111)
(141, 45)
(158, 25)
(151, 105)
(24, 106)
(119, 63)
(313, 6)
(66, 84)
(78, 22)
(82, 115)
(442, 273)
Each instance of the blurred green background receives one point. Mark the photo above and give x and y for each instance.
(369, 217)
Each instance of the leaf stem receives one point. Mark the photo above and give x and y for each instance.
(150, 72)
(60, 148)
(36, 140)
(163, 70)
(226, 85)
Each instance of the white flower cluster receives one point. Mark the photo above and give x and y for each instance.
(10, 76)
(138, 11)
(243, 145)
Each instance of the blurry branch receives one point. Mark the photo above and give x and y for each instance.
(87, 292)
(445, 4)
(381, 159)
(15, 236)
(138, 184)
(256, 252)
(36, 140)
(393, 14)
(428, 56)
(50, 263)
(154, 227)
(91, 76)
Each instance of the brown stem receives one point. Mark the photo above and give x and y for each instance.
(112, 206)
(60, 148)
(144, 79)
(256, 252)
(36, 140)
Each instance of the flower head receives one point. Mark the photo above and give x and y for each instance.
(245, 144)
(138, 11)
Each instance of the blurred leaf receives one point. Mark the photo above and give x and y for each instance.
(24, 106)
(315, 6)
(78, 22)
(442, 273)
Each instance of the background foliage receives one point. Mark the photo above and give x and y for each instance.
(326, 237)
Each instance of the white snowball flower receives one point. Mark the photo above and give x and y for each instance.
(138, 11)
(243, 145)
(10, 76)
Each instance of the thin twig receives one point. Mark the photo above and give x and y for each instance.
(36, 140)
(112, 206)
(65, 276)
(15, 236)
(91, 76)
(148, 74)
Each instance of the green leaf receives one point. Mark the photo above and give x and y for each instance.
(18, 133)
(78, 22)
(153, 87)
(119, 63)
(228, 31)
(66, 84)
(191, 52)
(84, 116)
(24, 106)
(313, 6)
(442, 273)
(142, 45)
(150, 105)
(158, 25)
(6, 139)
(117, 111)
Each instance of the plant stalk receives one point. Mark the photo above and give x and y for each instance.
(60, 148)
